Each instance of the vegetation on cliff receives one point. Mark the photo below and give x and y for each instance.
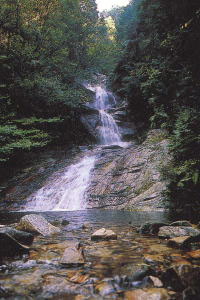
(159, 76)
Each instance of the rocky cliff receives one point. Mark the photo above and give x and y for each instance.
(129, 178)
(123, 178)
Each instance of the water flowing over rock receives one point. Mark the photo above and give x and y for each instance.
(65, 192)
(107, 131)
(68, 190)
(112, 174)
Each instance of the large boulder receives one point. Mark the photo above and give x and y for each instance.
(13, 242)
(176, 231)
(38, 225)
(104, 234)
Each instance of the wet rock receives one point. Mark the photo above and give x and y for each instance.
(181, 223)
(188, 274)
(147, 294)
(191, 240)
(86, 226)
(171, 280)
(20, 265)
(153, 259)
(176, 231)
(151, 228)
(24, 285)
(56, 287)
(105, 288)
(156, 282)
(14, 242)
(37, 224)
(64, 222)
(178, 242)
(194, 254)
(73, 255)
(20, 236)
(79, 278)
(131, 178)
(104, 234)
(90, 121)
(190, 294)
(3, 293)
(141, 273)
(112, 147)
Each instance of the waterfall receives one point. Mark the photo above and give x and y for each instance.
(67, 191)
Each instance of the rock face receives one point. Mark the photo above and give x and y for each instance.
(91, 119)
(103, 234)
(37, 224)
(129, 177)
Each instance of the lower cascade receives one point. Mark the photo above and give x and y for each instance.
(67, 191)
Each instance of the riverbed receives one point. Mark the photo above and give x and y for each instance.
(40, 275)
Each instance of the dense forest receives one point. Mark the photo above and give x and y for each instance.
(47, 48)
(159, 76)
(150, 50)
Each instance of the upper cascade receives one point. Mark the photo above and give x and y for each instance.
(108, 131)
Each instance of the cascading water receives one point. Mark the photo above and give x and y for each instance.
(108, 131)
(67, 191)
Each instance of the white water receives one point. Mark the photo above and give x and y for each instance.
(108, 130)
(67, 191)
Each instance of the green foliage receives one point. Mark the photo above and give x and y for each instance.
(158, 74)
(13, 139)
(47, 48)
